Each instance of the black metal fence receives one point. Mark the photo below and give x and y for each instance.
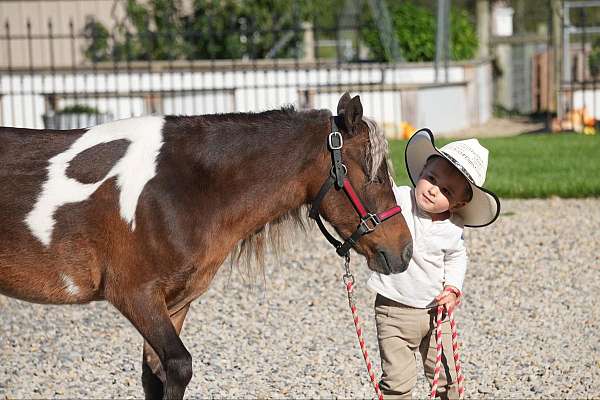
(98, 76)
(87, 73)
(547, 66)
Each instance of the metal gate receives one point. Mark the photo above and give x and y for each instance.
(579, 95)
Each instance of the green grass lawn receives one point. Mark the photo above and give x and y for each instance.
(533, 165)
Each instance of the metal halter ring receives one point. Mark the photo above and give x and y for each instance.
(373, 219)
(332, 171)
(330, 142)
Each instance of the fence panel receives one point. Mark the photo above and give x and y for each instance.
(55, 69)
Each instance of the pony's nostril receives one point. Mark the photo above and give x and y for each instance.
(407, 253)
(385, 263)
(393, 263)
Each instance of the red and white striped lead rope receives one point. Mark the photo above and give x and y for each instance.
(349, 281)
(438, 358)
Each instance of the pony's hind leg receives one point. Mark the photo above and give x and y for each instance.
(153, 374)
(147, 311)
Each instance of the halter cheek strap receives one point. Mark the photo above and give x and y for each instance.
(337, 178)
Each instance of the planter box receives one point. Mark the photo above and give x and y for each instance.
(74, 121)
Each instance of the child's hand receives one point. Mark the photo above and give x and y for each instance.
(449, 297)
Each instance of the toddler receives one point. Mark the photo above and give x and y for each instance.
(447, 196)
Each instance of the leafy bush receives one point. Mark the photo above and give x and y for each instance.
(98, 48)
(415, 29)
(78, 109)
(594, 59)
(463, 36)
(224, 29)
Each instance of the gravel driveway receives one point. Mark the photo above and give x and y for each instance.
(529, 323)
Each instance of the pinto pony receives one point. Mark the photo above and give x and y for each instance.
(142, 212)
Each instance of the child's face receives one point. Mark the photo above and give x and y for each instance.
(440, 187)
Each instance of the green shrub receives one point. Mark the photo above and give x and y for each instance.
(224, 29)
(78, 109)
(415, 29)
(594, 59)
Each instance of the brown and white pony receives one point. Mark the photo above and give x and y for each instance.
(142, 212)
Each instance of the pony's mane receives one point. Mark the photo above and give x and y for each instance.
(286, 115)
(250, 251)
(378, 149)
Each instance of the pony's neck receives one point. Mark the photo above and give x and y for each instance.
(294, 164)
(262, 165)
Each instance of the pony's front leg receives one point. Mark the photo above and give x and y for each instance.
(153, 374)
(146, 310)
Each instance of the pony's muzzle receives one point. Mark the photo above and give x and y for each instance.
(392, 262)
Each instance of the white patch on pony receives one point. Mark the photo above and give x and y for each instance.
(70, 286)
(133, 171)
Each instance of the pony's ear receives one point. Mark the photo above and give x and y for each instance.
(353, 113)
(344, 100)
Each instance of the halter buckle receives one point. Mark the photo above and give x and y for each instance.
(332, 171)
(370, 222)
(333, 139)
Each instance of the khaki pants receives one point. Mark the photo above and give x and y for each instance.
(401, 331)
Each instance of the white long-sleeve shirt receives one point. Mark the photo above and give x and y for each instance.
(439, 257)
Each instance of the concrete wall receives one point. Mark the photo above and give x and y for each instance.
(38, 51)
(442, 109)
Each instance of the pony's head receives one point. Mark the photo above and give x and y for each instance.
(388, 248)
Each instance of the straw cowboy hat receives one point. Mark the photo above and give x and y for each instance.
(471, 159)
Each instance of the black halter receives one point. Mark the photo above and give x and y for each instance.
(337, 178)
